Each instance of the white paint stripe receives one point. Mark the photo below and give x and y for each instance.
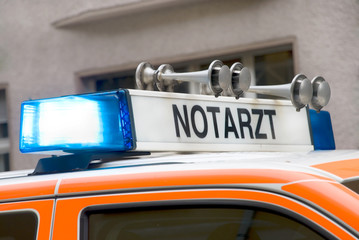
(310, 180)
(57, 187)
(53, 218)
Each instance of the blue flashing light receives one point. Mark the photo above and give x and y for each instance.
(322, 131)
(89, 122)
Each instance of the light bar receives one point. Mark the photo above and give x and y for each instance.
(91, 122)
(147, 121)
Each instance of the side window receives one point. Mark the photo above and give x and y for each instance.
(18, 225)
(209, 223)
(352, 185)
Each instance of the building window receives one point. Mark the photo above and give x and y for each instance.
(4, 136)
(109, 81)
(267, 66)
(274, 68)
(116, 80)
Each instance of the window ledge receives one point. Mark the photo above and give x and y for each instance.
(133, 7)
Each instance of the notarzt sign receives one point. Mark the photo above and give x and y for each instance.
(180, 121)
(230, 126)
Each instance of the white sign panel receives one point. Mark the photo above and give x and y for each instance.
(184, 122)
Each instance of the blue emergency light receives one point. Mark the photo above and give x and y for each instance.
(93, 122)
(322, 131)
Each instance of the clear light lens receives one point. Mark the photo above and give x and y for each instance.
(56, 127)
(77, 123)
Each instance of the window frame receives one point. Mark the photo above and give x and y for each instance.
(27, 210)
(43, 207)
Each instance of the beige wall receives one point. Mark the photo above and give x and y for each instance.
(39, 60)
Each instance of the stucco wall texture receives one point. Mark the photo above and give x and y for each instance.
(38, 60)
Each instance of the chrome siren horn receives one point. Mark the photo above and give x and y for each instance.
(300, 91)
(241, 79)
(321, 93)
(217, 77)
(144, 75)
(162, 83)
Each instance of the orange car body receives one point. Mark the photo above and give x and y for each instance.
(311, 186)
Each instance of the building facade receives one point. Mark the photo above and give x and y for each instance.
(54, 48)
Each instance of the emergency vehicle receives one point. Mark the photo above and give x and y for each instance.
(137, 164)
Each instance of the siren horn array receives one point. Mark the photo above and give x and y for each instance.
(237, 79)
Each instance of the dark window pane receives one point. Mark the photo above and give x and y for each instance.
(114, 82)
(274, 68)
(18, 226)
(230, 62)
(3, 115)
(181, 87)
(3, 130)
(196, 223)
(353, 185)
(124, 82)
(110, 81)
(102, 85)
(4, 163)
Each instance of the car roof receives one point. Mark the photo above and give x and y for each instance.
(169, 170)
(338, 165)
